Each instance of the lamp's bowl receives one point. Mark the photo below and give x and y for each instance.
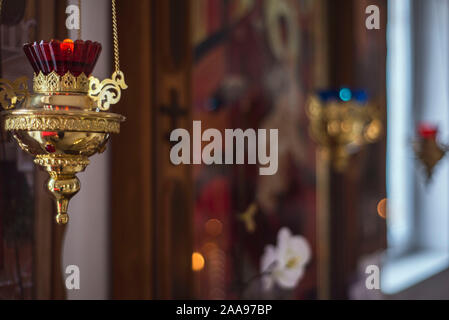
(63, 132)
(61, 143)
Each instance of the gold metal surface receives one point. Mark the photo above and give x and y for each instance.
(63, 183)
(53, 82)
(343, 128)
(64, 143)
(59, 101)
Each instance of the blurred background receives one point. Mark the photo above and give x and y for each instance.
(359, 94)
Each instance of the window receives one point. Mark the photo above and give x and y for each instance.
(418, 81)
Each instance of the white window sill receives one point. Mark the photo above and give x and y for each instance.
(403, 273)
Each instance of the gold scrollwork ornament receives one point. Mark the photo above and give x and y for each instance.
(12, 92)
(108, 91)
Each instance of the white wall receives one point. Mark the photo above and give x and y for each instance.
(87, 239)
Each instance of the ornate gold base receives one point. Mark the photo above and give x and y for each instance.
(63, 183)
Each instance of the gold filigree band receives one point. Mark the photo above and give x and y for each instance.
(68, 122)
(52, 160)
(53, 82)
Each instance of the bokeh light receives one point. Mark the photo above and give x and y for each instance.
(214, 227)
(67, 44)
(345, 94)
(197, 261)
(382, 208)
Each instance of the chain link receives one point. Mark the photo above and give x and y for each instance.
(79, 30)
(115, 34)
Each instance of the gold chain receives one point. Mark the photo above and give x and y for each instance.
(115, 34)
(79, 30)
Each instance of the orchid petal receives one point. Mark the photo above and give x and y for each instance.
(301, 248)
(289, 278)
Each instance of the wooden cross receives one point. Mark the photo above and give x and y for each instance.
(174, 111)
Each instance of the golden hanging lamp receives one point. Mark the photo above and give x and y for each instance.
(343, 121)
(427, 148)
(64, 121)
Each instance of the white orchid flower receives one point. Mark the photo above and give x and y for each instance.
(285, 264)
